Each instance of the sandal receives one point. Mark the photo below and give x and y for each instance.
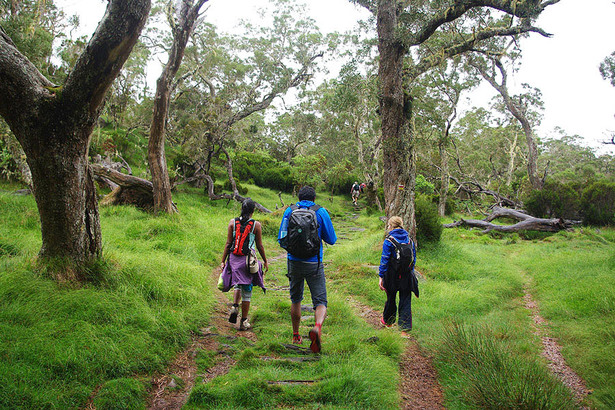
(297, 340)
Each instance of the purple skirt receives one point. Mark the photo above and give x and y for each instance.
(236, 272)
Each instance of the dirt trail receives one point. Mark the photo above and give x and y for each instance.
(552, 351)
(166, 393)
(419, 387)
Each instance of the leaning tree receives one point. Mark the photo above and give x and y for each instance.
(414, 37)
(53, 124)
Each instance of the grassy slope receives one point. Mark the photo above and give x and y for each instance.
(58, 343)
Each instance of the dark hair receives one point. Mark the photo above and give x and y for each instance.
(307, 193)
(247, 209)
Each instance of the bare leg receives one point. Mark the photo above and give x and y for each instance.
(320, 314)
(245, 308)
(295, 316)
(237, 296)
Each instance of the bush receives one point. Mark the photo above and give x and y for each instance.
(428, 225)
(227, 187)
(423, 186)
(264, 170)
(555, 200)
(598, 204)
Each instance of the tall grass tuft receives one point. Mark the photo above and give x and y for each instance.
(496, 378)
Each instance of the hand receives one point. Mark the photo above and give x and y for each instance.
(381, 284)
(222, 265)
(266, 266)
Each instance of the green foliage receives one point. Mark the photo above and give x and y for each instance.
(264, 170)
(423, 186)
(598, 204)
(555, 200)
(240, 188)
(494, 378)
(121, 394)
(428, 225)
(340, 177)
(308, 170)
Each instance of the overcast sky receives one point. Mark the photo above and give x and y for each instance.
(564, 67)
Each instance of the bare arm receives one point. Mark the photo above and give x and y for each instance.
(229, 243)
(259, 244)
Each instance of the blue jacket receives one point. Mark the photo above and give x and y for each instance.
(325, 229)
(388, 248)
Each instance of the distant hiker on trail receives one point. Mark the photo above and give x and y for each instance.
(355, 191)
(304, 226)
(397, 275)
(244, 233)
(363, 186)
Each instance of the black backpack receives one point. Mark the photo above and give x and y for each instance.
(241, 241)
(400, 271)
(302, 239)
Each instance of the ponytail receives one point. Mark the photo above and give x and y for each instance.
(247, 209)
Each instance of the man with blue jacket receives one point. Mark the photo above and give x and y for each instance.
(308, 269)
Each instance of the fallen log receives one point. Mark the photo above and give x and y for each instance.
(130, 190)
(526, 222)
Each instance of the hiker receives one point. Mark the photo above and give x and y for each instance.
(304, 226)
(355, 191)
(243, 234)
(396, 278)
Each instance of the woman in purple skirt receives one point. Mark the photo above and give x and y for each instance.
(244, 235)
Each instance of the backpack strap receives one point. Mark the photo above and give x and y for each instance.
(394, 241)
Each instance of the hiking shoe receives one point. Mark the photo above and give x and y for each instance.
(297, 340)
(383, 323)
(245, 325)
(233, 316)
(315, 338)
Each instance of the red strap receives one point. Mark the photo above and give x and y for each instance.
(239, 237)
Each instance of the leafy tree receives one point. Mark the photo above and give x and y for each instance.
(436, 31)
(519, 106)
(53, 125)
(182, 20)
(238, 76)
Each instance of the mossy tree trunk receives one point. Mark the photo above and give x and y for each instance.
(53, 125)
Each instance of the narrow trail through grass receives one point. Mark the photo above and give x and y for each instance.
(552, 351)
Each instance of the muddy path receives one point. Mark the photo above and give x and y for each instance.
(419, 387)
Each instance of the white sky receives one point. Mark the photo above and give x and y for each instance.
(564, 67)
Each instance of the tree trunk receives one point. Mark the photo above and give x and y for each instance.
(395, 109)
(444, 178)
(53, 125)
(156, 156)
(511, 162)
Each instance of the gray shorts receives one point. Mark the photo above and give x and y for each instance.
(311, 272)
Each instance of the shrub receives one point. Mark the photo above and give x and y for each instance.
(428, 225)
(227, 187)
(264, 170)
(598, 203)
(423, 186)
(555, 200)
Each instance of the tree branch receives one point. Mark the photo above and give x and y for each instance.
(106, 52)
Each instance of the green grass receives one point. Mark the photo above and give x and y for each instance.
(62, 343)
